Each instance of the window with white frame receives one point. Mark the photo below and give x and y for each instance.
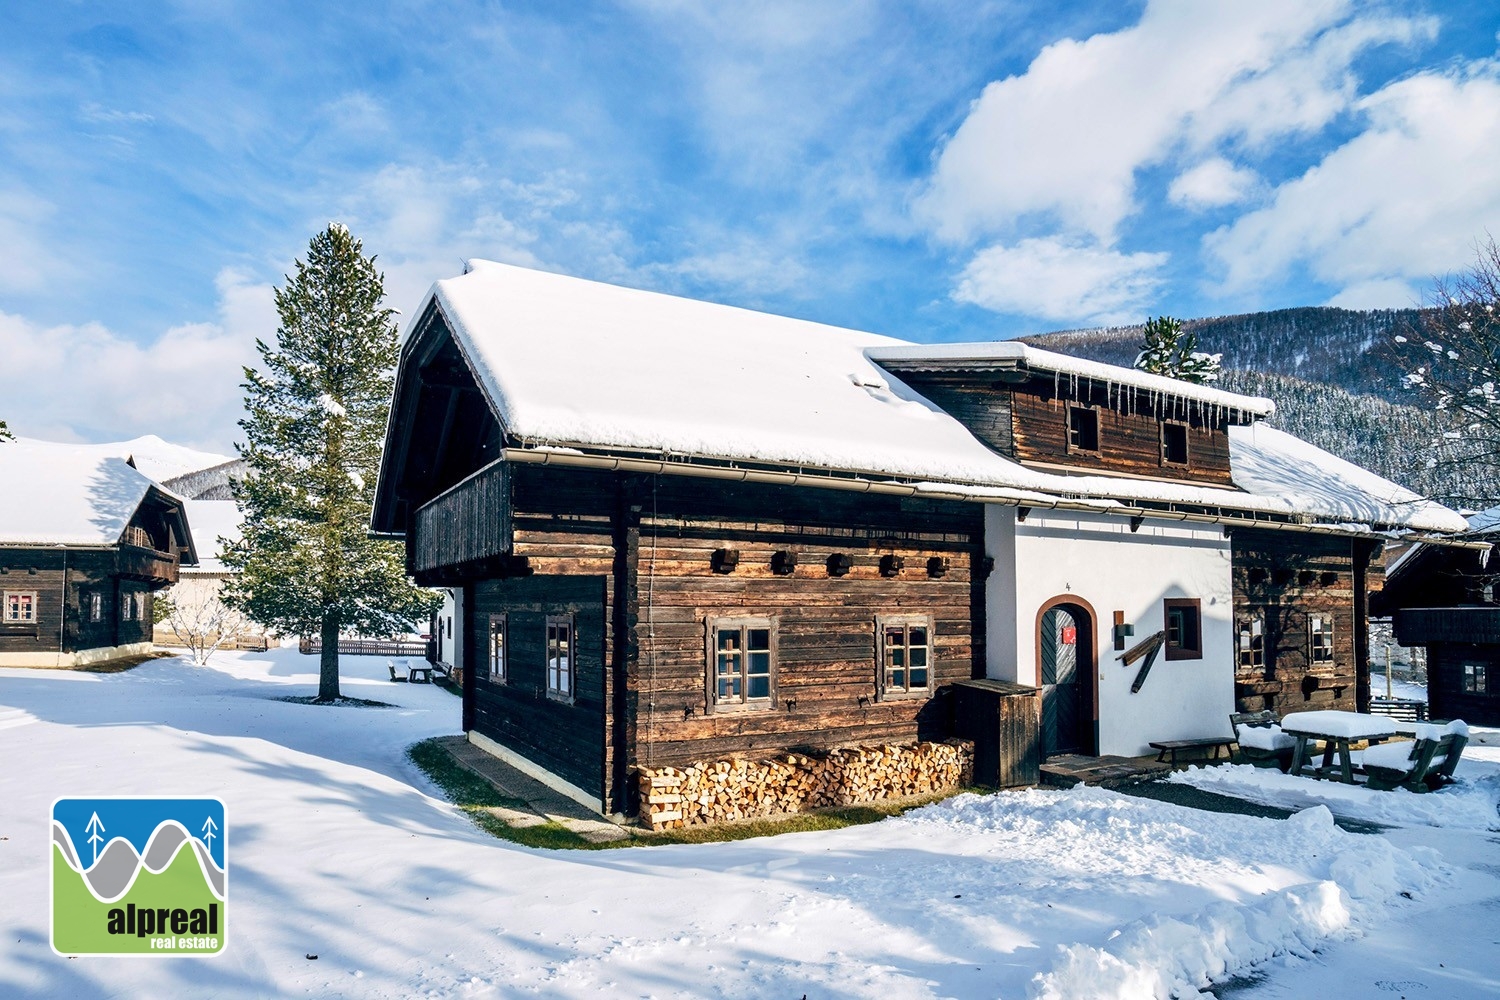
(96, 606)
(1319, 639)
(127, 607)
(741, 663)
(1252, 642)
(20, 607)
(905, 655)
(497, 651)
(560, 657)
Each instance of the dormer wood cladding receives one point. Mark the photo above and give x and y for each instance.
(1027, 420)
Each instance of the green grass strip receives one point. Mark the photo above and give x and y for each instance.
(476, 796)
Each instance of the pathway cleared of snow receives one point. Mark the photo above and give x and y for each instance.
(339, 847)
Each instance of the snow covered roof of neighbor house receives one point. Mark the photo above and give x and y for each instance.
(67, 494)
(1013, 353)
(212, 520)
(1485, 521)
(570, 363)
(157, 459)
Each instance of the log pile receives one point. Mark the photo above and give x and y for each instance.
(745, 788)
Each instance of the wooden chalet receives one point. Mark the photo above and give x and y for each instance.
(678, 532)
(1445, 599)
(85, 541)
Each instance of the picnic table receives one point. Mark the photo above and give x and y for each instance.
(1336, 730)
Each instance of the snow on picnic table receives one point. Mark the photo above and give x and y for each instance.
(338, 847)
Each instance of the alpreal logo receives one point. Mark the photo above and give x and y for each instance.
(136, 876)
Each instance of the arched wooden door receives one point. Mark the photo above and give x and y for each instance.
(1065, 654)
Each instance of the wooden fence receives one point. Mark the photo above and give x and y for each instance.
(1406, 709)
(367, 647)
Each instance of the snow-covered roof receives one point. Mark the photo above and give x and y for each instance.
(157, 459)
(212, 520)
(568, 363)
(1485, 521)
(66, 494)
(1015, 353)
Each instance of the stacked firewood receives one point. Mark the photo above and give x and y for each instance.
(744, 788)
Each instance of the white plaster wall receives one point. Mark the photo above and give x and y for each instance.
(451, 617)
(1097, 558)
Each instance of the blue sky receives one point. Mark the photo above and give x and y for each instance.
(930, 171)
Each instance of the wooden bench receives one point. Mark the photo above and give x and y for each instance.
(1269, 746)
(1174, 747)
(1423, 765)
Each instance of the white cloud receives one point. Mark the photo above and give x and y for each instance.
(1212, 184)
(26, 262)
(1389, 293)
(1401, 201)
(1060, 282)
(1063, 141)
(85, 382)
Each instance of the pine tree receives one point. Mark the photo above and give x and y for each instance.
(5, 434)
(1169, 351)
(314, 424)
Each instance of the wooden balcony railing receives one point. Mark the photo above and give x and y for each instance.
(469, 522)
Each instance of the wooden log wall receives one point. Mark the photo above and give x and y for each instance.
(1129, 440)
(654, 540)
(827, 669)
(742, 788)
(567, 738)
(89, 571)
(1285, 577)
(1445, 694)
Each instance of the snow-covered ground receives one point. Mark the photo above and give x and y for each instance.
(339, 848)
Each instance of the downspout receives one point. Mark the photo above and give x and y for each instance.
(62, 616)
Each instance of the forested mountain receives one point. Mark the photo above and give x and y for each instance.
(1332, 375)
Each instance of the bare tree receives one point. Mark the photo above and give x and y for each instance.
(1453, 365)
(204, 624)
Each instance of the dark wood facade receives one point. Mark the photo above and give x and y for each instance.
(92, 598)
(1444, 599)
(638, 563)
(1027, 418)
(1309, 595)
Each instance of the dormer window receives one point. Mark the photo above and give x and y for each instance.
(1174, 444)
(1083, 429)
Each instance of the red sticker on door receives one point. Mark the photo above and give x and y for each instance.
(1070, 635)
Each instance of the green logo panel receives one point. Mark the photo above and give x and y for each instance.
(138, 876)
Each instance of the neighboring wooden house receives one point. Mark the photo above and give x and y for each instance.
(85, 541)
(681, 531)
(1445, 598)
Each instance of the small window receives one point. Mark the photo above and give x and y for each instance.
(20, 607)
(741, 663)
(1184, 628)
(1475, 680)
(96, 606)
(1252, 643)
(1174, 444)
(497, 649)
(560, 663)
(905, 656)
(1319, 639)
(1083, 429)
(127, 606)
